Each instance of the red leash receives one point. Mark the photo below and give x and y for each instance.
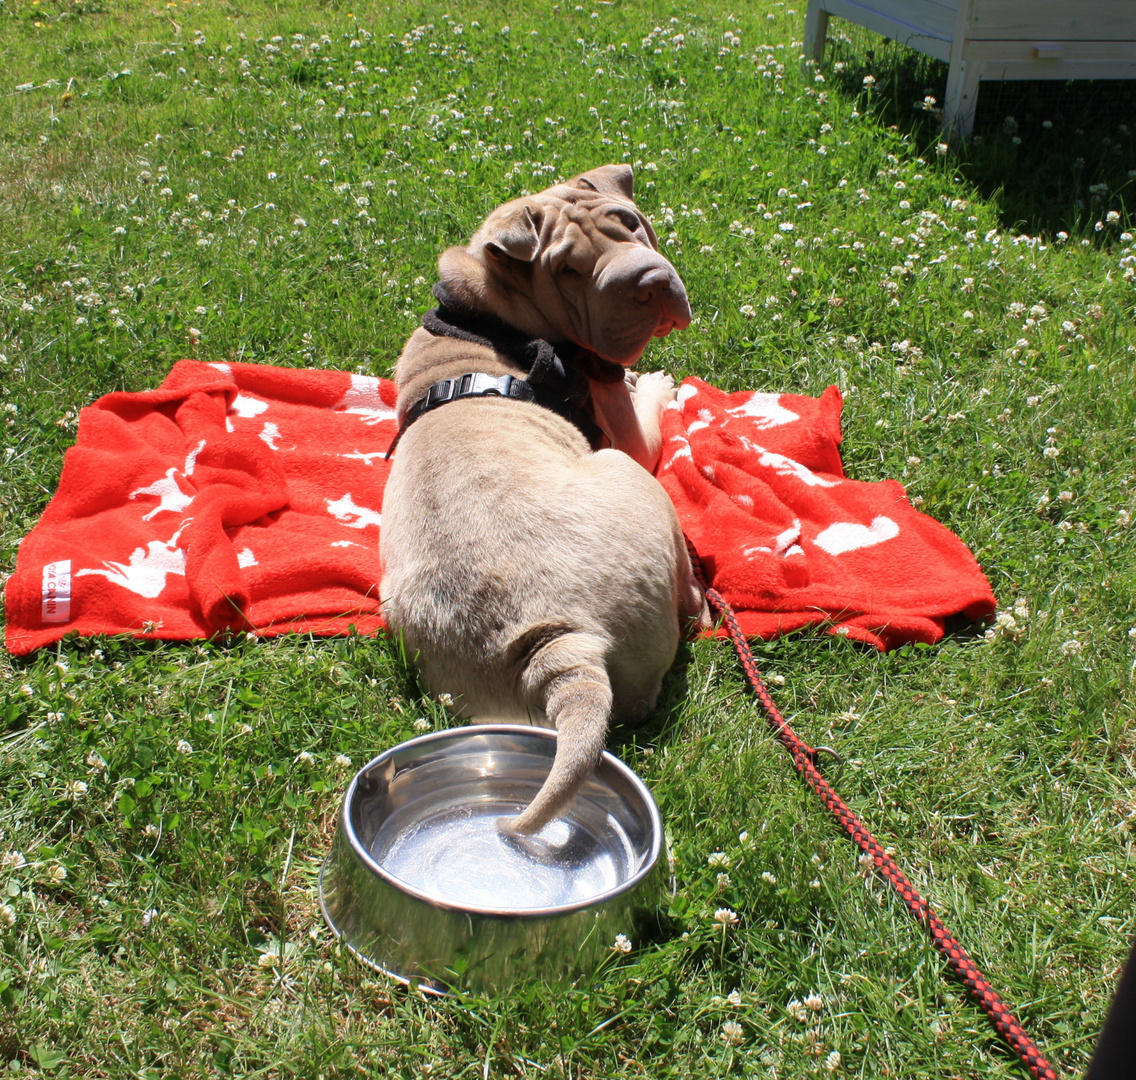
(804, 760)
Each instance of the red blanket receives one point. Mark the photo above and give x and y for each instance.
(248, 497)
(789, 541)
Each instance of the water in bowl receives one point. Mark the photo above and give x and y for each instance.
(457, 854)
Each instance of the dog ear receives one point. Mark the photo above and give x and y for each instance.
(608, 180)
(515, 237)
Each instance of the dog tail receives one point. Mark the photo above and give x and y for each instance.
(568, 676)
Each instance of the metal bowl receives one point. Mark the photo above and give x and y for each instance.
(421, 883)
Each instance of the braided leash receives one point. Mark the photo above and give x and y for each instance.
(804, 760)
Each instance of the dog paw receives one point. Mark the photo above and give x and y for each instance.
(656, 384)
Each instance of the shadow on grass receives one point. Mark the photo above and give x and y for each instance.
(665, 720)
(1052, 156)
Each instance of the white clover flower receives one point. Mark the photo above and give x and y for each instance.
(57, 874)
(797, 1011)
(734, 998)
(304, 758)
(342, 759)
(268, 958)
(814, 1002)
(748, 310)
(622, 944)
(75, 789)
(786, 226)
(832, 1062)
(1072, 647)
(12, 860)
(768, 878)
(725, 917)
(869, 81)
(1050, 452)
(731, 1033)
(7, 916)
(724, 881)
(718, 858)
(422, 724)
(184, 747)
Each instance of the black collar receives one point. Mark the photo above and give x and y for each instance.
(557, 376)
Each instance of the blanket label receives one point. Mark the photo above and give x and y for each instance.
(57, 591)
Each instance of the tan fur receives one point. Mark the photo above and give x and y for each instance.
(531, 578)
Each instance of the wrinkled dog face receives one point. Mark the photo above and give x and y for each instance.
(577, 262)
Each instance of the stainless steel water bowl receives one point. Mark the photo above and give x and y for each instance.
(422, 884)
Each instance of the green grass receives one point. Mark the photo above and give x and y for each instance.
(167, 193)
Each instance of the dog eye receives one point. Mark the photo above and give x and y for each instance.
(625, 218)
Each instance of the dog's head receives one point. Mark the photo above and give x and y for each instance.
(576, 262)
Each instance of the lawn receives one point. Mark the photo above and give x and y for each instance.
(273, 183)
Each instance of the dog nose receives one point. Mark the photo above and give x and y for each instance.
(661, 288)
(652, 284)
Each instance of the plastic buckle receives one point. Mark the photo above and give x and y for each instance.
(440, 393)
(490, 385)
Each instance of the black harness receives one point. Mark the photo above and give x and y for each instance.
(556, 379)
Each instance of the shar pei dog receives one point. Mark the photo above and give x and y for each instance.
(533, 566)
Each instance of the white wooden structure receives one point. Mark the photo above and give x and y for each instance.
(995, 39)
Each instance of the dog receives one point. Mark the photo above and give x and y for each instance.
(532, 564)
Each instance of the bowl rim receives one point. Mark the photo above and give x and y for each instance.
(359, 851)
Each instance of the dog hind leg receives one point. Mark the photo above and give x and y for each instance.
(568, 677)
